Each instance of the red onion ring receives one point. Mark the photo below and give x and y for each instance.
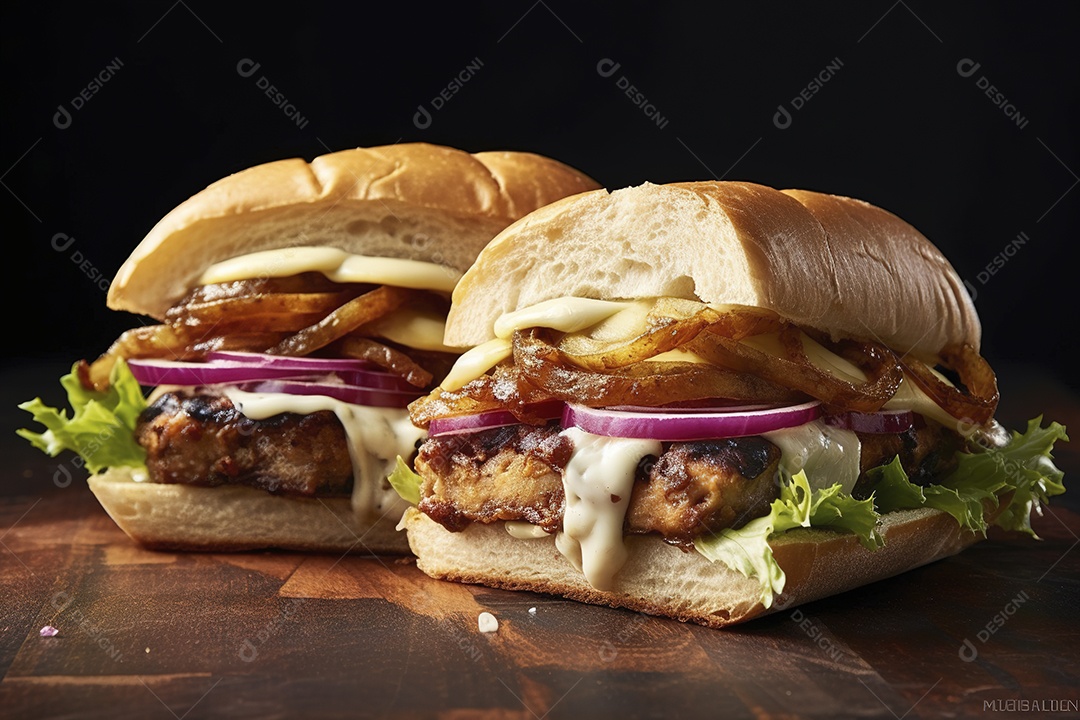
(683, 427)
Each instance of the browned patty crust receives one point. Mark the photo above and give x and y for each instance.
(202, 439)
(507, 473)
(515, 473)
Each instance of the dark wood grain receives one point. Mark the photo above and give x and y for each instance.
(160, 635)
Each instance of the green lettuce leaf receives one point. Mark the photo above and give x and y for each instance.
(102, 428)
(835, 510)
(894, 491)
(405, 482)
(746, 550)
(982, 479)
(1025, 467)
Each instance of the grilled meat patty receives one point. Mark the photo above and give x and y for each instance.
(202, 439)
(515, 473)
(507, 473)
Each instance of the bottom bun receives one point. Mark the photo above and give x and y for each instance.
(660, 579)
(230, 518)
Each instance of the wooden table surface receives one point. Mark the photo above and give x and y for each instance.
(158, 635)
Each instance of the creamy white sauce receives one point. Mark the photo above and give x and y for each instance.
(829, 455)
(335, 264)
(597, 483)
(377, 436)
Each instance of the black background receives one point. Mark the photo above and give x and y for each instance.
(896, 125)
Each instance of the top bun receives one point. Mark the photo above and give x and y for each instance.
(832, 263)
(414, 201)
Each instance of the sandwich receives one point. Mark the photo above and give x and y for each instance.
(711, 400)
(294, 310)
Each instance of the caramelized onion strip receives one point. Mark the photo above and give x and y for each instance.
(671, 324)
(980, 401)
(384, 356)
(358, 311)
(796, 371)
(273, 312)
(543, 365)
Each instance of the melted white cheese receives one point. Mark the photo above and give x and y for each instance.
(565, 314)
(412, 327)
(829, 455)
(475, 362)
(678, 355)
(910, 396)
(821, 357)
(597, 483)
(335, 264)
(377, 436)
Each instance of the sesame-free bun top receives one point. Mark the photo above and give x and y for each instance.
(414, 201)
(831, 263)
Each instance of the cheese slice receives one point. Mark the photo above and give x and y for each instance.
(829, 455)
(565, 314)
(475, 362)
(335, 264)
(412, 327)
(910, 396)
(820, 356)
(678, 355)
